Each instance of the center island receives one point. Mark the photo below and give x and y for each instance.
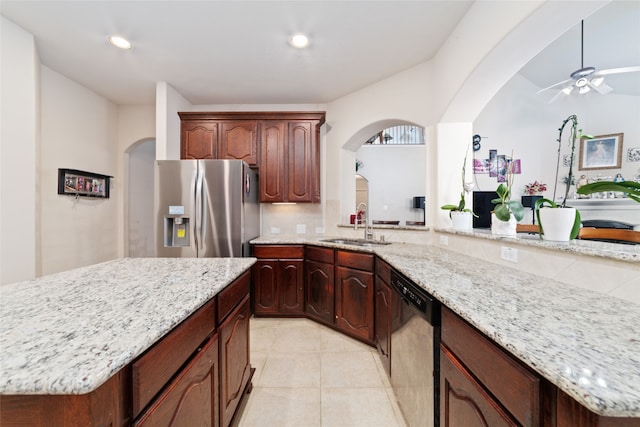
(115, 342)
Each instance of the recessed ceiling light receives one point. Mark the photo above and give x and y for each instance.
(299, 41)
(120, 42)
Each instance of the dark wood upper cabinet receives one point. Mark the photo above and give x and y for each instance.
(239, 140)
(199, 139)
(272, 161)
(283, 146)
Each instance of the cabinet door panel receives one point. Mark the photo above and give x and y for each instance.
(191, 398)
(234, 360)
(320, 291)
(238, 140)
(299, 162)
(382, 323)
(266, 287)
(463, 401)
(354, 302)
(272, 162)
(291, 286)
(199, 140)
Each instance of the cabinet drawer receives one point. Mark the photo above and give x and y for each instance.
(232, 295)
(383, 270)
(515, 386)
(278, 252)
(355, 260)
(315, 253)
(155, 367)
(191, 398)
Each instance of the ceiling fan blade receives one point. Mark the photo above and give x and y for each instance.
(601, 88)
(556, 96)
(564, 82)
(619, 70)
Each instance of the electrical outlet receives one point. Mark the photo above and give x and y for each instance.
(509, 254)
(275, 230)
(444, 240)
(301, 228)
(319, 230)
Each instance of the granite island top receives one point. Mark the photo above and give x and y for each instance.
(586, 343)
(69, 332)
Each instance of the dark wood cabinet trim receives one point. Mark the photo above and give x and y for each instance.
(253, 115)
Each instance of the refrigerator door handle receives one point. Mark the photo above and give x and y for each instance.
(197, 198)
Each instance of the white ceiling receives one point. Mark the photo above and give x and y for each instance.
(611, 40)
(235, 52)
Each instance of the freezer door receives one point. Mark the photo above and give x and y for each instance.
(222, 210)
(175, 221)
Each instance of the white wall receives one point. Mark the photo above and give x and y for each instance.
(136, 124)
(140, 225)
(168, 103)
(79, 131)
(391, 172)
(18, 155)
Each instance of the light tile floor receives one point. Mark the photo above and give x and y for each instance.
(308, 375)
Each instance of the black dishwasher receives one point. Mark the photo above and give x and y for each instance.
(415, 341)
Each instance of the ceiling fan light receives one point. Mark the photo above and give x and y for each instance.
(584, 90)
(567, 90)
(597, 81)
(581, 82)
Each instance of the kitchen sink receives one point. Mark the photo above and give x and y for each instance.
(356, 242)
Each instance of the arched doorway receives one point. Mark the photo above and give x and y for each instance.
(139, 212)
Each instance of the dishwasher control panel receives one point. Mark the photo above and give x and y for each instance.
(414, 295)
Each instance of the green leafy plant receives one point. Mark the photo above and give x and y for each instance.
(460, 207)
(631, 188)
(542, 203)
(505, 207)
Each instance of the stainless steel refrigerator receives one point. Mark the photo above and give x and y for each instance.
(205, 208)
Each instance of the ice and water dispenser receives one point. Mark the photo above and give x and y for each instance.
(176, 228)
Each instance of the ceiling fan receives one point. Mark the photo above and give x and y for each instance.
(585, 79)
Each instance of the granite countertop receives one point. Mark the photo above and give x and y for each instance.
(584, 342)
(616, 251)
(67, 333)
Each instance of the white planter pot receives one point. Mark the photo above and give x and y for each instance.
(462, 221)
(557, 223)
(503, 228)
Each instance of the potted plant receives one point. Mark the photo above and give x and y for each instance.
(557, 221)
(630, 188)
(461, 216)
(507, 212)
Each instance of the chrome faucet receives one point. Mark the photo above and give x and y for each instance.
(368, 234)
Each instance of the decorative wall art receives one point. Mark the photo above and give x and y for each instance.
(80, 183)
(496, 165)
(601, 152)
(633, 154)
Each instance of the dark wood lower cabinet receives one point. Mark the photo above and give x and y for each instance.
(191, 399)
(382, 321)
(320, 291)
(235, 368)
(355, 294)
(463, 401)
(278, 280)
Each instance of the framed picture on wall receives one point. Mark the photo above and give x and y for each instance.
(80, 183)
(601, 152)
